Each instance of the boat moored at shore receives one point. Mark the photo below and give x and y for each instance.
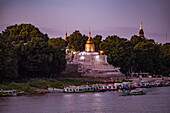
(4, 93)
(132, 92)
(55, 90)
(73, 89)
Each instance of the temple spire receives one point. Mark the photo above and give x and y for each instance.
(65, 36)
(89, 46)
(141, 27)
(89, 33)
(141, 32)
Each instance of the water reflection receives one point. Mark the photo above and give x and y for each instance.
(155, 101)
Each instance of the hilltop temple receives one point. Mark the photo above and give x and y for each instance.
(141, 32)
(91, 63)
(89, 46)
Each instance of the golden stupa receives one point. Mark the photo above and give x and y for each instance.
(89, 46)
(141, 32)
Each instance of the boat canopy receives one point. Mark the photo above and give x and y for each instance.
(7, 91)
(143, 73)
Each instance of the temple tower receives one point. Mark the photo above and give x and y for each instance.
(65, 36)
(89, 46)
(141, 33)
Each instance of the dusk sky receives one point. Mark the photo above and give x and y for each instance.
(104, 17)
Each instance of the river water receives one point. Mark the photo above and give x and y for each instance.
(156, 100)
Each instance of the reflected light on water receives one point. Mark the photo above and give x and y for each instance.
(156, 100)
(68, 95)
(82, 95)
(97, 94)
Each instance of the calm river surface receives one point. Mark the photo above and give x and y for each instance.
(157, 100)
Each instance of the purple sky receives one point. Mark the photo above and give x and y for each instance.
(104, 17)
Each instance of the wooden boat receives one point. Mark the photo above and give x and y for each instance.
(132, 92)
(90, 88)
(55, 90)
(94, 89)
(4, 93)
(74, 89)
(137, 92)
(100, 90)
(110, 87)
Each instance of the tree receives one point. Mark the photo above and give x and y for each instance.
(147, 56)
(23, 32)
(76, 41)
(57, 43)
(8, 60)
(136, 39)
(58, 62)
(97, 40)
(166, 58)
(36, 57)
(119, 52)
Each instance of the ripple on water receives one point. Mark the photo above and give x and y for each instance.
(155, 101)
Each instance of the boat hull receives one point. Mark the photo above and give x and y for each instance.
(135, 92)
(55, 91)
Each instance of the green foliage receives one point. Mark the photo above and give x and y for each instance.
(76, 41)
(38, 83)
(25, 51)
(137, 55)
(97, 40)
(135, 40)
(148, 57)
(8, 60)
(38, 59)
(23, 32)
(165, 49)
(119, 52)
(19, 87)
(34, 58)
(30, 85)
(57, 43)
(58, 62)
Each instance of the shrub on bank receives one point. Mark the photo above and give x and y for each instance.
(30, 85)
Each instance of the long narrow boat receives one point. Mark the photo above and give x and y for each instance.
(89, 89)
(132, 92)
(55, 90)
(4, 93)
(74, 89)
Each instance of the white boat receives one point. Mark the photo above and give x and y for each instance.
(132, 92)
(55, 90)
(73, 89)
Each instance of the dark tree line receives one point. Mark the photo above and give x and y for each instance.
(8, 60)
(26, 52)
(135, 55)
(77, 41)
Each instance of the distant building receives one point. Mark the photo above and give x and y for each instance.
(89, 46)
(66, 48)
(91, 63)
(65, 36)
(141, 32)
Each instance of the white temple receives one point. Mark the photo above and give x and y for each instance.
(91, 63)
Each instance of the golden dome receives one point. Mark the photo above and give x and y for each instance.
(89, 46)
(89, 41)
